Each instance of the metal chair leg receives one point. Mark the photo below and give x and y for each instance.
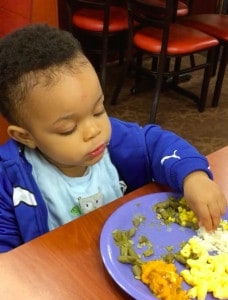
(125, 66)
(206, 81)
(220, 76)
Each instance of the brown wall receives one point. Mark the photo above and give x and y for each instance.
(17, 13)
(45, 11)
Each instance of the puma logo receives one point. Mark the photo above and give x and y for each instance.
(170, 156)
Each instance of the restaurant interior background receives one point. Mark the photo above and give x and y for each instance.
(207, 131)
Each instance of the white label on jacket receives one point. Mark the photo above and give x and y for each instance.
(170, 156)
(22, 195)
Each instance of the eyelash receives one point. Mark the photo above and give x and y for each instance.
(68, 132)
(71, 131)
(100, 113)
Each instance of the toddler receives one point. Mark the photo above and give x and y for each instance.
(65, 157)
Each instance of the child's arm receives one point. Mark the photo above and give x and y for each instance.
(205, 198)
(145, 153)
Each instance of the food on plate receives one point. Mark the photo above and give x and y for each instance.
(204, 255)
(176, 210)
(206, 273)
(138, 219)
(214, 241)
(161, 277)
(123, 239)
(163, 280)
(144, 242)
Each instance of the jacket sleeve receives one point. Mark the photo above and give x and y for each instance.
(172, 158)
(10, 236)
(23, 213)
(145, 154)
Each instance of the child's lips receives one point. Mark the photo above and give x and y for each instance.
(99, 150)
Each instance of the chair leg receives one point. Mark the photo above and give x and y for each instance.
(177, 68)
(138, 71)
(216, 59)
(125, 65)
(104, 65)
(155, 98)
(120, 82)
(124, 70)
(154, 64)
(206, 80)
(220, 76)
(121, 40)
(158, 87)
(192, 60)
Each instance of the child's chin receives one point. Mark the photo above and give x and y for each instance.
(95, 160)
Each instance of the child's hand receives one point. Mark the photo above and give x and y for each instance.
(205, 198)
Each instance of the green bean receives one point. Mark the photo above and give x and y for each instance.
(117, 235)
(143, 239)
(127, 259)
(164, 214)
(169, 257)
(137, 271)
(132, 232)
(160, 205)
(123, 250)
(180, 258)
(122, 237)
(148, 252)
(169, 248)
(132, 252)
(138, 220)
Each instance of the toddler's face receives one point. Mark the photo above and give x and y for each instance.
(68, 122)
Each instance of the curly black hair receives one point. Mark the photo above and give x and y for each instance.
(25, 52)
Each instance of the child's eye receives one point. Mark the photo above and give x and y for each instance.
(100, 113)
(68, 132)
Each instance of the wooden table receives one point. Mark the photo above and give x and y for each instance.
(66, 263)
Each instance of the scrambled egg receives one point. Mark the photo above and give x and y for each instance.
(207, 273)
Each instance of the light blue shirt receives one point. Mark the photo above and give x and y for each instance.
(69, 197)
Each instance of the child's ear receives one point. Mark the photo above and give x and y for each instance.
(21, 135)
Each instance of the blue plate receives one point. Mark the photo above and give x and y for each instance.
(159, 234)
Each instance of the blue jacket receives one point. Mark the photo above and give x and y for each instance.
(140, 154)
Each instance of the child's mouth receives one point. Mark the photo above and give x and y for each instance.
(98, 151)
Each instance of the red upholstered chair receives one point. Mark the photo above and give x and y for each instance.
(101, 27)
(216, 25)
(158, 36)
(182, 7)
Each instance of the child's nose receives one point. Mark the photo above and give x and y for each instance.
(91, 130)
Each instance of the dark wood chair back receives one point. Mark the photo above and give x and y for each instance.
(159, 37)
(101, 26)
